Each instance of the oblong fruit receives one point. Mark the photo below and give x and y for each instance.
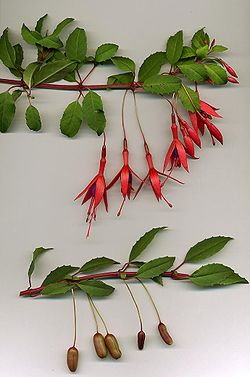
(100, 346)
(141, 339)
(164, 334)
(72, 358)
(113, 346)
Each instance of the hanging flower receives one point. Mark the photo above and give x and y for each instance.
(188, 143)
(176, 153)
(126, 176)
(213, 130)
(193, 134)
(154, 178)
(207, 111)
(95, 192)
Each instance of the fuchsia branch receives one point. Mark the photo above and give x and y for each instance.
(107, 275)
(76, 87)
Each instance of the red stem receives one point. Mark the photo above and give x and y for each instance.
(76, 87)
(106, 275)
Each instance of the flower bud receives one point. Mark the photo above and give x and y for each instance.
(72, 358)
(100, 346)
(232, 80)
(141, 339)
(113, 346)
(164, 334)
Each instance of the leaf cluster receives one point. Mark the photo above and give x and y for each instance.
(65, 278)
(58, 60)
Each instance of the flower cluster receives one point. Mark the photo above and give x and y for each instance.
(186, 135)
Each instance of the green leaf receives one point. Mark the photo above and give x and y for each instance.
(54, 71)
(7, 51)
(219, 48)
(125, 64)
(16, 94)
(95, 288)
(159, 84)
(136, 264)
(152, 65)
(206, 248)
(216, 274)
(46, 55)
(58, 274)
(158, 280)
(174, 47)
(39, 24)
(16, 72)
(29, 73)
(193, 71)
(76, 45)
(123, 78)
(189, 98)
(71, 77)
(200, 39)
(59, 28)
(105, 52)
(202, 52)
(33, 119)
(216, 73)
(187, 52)
(57, 55)
(57, 289)
(72, 119)
(143, 242)
(51, 41)
(97, 264)
(155, 267)
(31, 37)
(19, 55)
(36, 253)
(93, 112)
(7, 110)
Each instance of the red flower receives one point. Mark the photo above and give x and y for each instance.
(188, 143)
(176, 153)
(207, 111)
(213, 130)
(126, 175)
(154, 178)
(95, 192)
(193, 134)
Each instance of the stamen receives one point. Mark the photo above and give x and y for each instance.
(163, 197)
(120, 210)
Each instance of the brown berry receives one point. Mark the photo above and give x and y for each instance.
(100, 346)
(113, 346)
(164, 334)
(141, 339)
(72, 358)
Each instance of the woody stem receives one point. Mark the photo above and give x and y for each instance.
(75, 87)
(105, 275)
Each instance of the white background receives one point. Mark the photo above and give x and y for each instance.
(41, 174)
